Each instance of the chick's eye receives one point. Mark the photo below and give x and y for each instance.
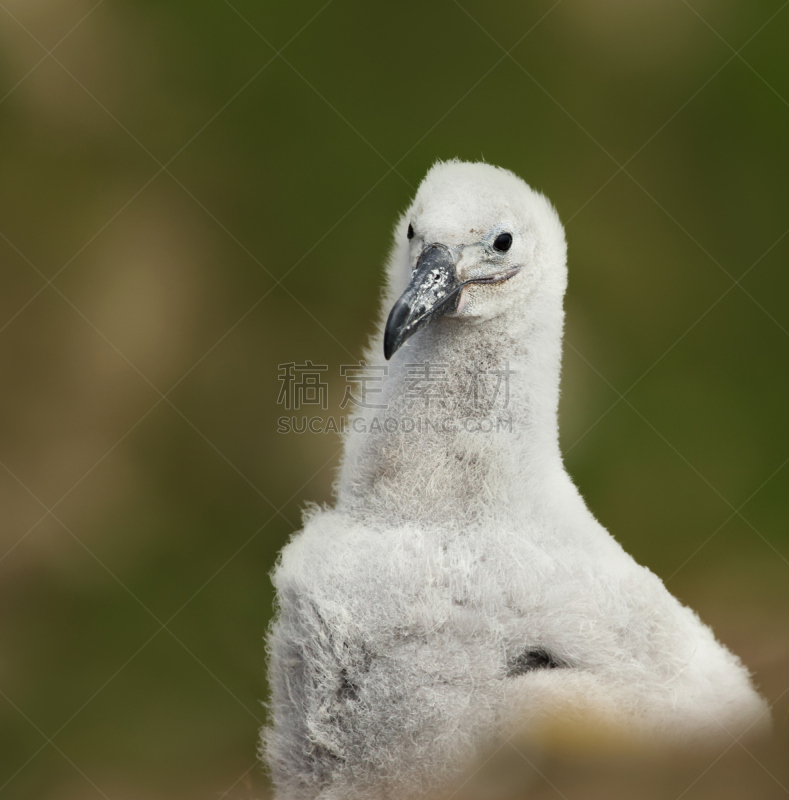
(503, 242)
(410, 233)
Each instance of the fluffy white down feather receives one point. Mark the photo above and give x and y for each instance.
(451, 552)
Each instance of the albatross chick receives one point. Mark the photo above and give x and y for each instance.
(459, 589)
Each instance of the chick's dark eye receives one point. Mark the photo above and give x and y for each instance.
(503, 242)
(410, 233)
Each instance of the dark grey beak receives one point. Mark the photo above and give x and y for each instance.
(434, 290)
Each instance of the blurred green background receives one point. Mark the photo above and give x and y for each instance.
(192, 193)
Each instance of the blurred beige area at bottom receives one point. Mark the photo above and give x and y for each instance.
(583, 756)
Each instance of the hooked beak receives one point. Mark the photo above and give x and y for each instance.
(434, 290)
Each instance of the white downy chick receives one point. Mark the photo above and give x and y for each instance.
(460, 589)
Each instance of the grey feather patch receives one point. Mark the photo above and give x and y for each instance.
(529, 660)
